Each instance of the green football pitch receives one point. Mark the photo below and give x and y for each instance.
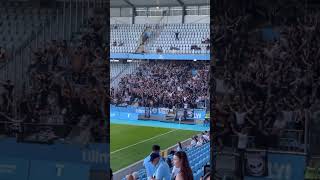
(130, 144)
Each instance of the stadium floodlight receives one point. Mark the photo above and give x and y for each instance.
(194, 59)
(129, 60)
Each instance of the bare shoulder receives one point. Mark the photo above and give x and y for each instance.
(179, 177)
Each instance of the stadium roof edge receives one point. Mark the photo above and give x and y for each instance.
(156, 3)
(129, 3)
(180, 2)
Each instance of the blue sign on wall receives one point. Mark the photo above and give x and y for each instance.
(50, 170)
(125, 113)
(22, 169)
(199, 114)
(283, 166)
(13, 169)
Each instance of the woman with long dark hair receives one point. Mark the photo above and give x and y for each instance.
(180, 161)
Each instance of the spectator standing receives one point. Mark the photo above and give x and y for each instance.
(193, 142)
(162, 170)
(150, 169)
(177, 35)
(179, 148)
(242, 145)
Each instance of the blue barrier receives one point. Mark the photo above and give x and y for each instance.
(283, 166)
(46, 170)
(160, 56)
(130, 112)
(199, 114)
(22, 169)
(13, 169)
(94, 155)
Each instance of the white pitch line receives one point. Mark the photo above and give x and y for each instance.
(142, 141)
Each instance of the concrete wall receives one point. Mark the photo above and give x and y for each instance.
(197, 19)
(120, 20)
(159, 19)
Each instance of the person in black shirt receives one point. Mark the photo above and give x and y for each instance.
(177, 35)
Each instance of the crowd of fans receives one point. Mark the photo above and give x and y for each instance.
(66, 86)
(164, 84)
(268, 86)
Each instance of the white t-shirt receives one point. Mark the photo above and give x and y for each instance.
(242, 141)
(193, 143)
(184, 98)
(199, 143)
(179, 149)
(206, 137)
(185, 105)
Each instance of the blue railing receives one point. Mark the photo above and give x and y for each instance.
(160, 56)
(121, 112)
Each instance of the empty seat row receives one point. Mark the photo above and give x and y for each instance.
(189, 34)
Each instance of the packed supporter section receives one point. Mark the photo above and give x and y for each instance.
(53, 85)
(267, 81)
(119, 70)
(269, 88)
(165, 84)
(159, 87)
(62, 86)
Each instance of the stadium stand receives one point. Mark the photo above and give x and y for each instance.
(119, 70)
(62, 76)
(198, 157)
(267, 80)
(159, 61)
(125, 38)
(191, 38)
(188, 35)
(170, 83)
(53, 79)
(19, 23)
(268, 87)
